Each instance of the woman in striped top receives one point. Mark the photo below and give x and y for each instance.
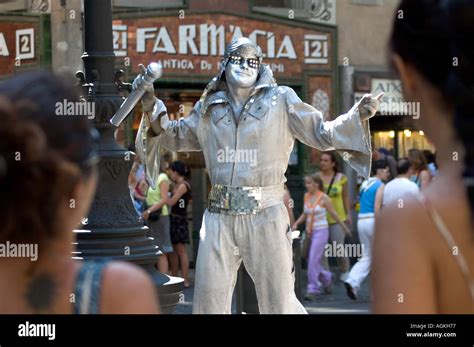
(316, 204)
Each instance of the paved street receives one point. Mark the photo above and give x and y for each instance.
(335, 303)
(338, 302)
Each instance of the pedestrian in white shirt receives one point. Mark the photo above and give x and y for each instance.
(401, 187)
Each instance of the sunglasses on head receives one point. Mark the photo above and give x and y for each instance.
(254, 63)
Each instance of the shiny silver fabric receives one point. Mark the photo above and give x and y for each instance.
(252, 152)
(262, 242)
(148, 147)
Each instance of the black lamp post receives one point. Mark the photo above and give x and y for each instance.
(113, 228)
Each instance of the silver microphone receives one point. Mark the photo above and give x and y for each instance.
(153, 72)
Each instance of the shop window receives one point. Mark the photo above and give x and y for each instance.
(399, 142)
(408, 139)
(384, 139)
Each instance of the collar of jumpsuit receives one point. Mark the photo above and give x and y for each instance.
(241, 146)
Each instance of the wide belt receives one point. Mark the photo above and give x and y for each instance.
(243, 200)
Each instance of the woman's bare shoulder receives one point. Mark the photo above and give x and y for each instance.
(402, 266)
(405, 219)
(409, 219)
(410, 253)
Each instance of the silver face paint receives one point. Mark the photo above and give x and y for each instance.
(241, 75)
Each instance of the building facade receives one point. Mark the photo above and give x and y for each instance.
(330, 52)
(364, 33)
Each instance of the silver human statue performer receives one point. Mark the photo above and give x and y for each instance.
(244, 110)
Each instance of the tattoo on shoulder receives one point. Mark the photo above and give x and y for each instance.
(40, 292)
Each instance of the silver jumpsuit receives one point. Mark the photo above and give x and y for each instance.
(273, 117)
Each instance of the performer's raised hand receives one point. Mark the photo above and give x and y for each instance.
(368, 105)
(148, 99)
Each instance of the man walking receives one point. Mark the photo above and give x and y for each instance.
(401, 187)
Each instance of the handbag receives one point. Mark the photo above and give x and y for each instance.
(155, 215)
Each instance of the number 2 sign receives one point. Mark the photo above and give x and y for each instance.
(25, 44)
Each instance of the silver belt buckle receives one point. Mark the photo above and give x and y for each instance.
(234, 200)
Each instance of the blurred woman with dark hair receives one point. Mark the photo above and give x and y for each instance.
(420, 176)
(424, 252)
(46, 162)
(431, 161)
(179, 174)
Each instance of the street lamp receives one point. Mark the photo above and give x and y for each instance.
(114, 230)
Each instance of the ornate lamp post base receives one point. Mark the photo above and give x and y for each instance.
(113, 228)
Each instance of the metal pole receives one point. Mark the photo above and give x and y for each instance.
(113, 229)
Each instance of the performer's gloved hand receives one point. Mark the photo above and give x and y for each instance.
(148, 99)
(368, 105)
